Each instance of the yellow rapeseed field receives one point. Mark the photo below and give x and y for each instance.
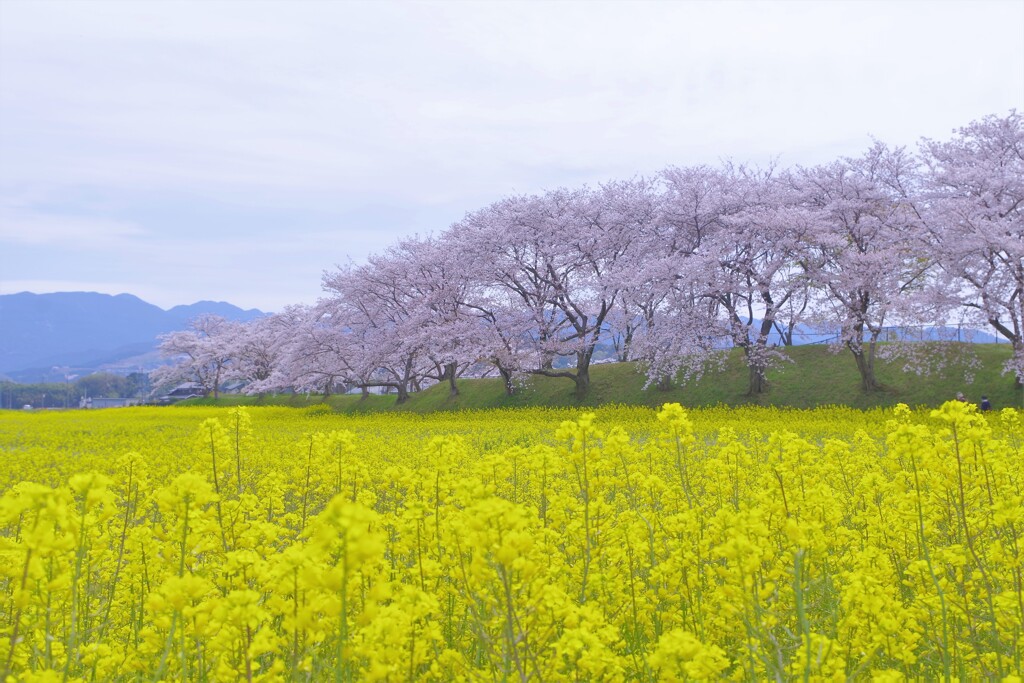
(626, 544)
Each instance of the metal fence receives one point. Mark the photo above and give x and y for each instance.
(892, 333)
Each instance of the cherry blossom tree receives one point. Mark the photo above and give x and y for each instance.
(556, 257)
(365, 321)
(869, 269)
(680, 340)
(672, 327)
(756, 267)
(388, 308)
(975, 184)
(508, 293)
(260, 350)
(340, 348)
(201, 354)
(440, 324)
(257, 349)
(504, 331)
(636, 206)
(324, 354)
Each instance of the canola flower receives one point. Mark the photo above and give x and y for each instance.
(271, 544)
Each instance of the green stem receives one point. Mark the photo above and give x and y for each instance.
(931, 571)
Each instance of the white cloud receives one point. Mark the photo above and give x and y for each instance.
(364, 96)
(25, 226)
(436, 108)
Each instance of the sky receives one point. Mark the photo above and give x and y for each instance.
(235, 150)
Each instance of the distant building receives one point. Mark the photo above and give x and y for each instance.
(233, 386)
(182, 392)
(108, 402)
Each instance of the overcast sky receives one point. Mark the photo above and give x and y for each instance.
(235, 150)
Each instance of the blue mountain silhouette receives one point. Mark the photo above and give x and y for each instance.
(83, 331)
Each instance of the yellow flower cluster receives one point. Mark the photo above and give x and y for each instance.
(269, 544)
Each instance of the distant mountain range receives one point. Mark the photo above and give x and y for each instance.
(45, 336)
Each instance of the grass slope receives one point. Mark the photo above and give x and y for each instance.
(816, 377)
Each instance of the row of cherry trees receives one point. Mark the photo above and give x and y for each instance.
(668, 271)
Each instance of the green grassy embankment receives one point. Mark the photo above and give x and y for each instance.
(816, 377)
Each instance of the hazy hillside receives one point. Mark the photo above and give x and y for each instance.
(87, 331)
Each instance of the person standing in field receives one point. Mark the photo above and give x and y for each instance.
(985, 405)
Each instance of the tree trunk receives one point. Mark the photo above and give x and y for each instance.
(582, 382)
(365, 392)
(865, 359)
(786, 333)
(403, 393)
(506, 376)
(583, 373)
(1018, 352)
(755, 354)
(450, 374)
(758, 379)
(758, 382)
(622, 349)
(866, 367)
